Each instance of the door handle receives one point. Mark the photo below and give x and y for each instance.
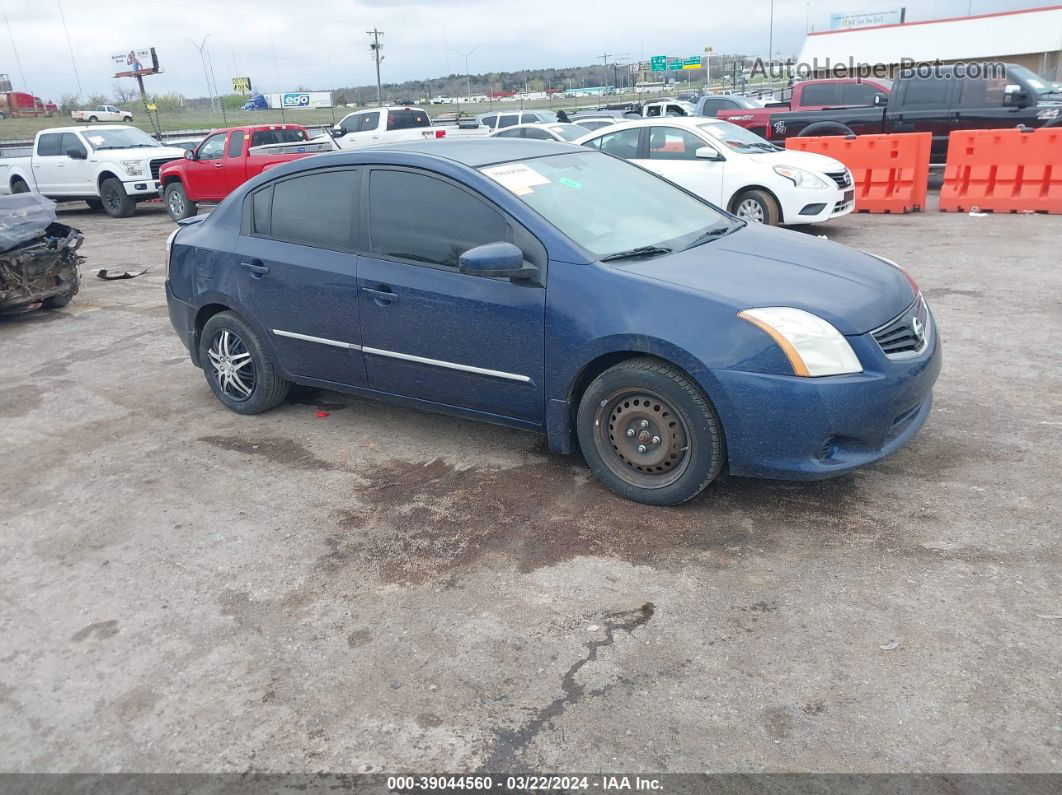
(381, 295)
(217, 165)
(257, 269)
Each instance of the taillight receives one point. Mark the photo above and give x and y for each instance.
(440, 133)
(169, 249)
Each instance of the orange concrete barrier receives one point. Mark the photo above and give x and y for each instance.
(891, 172)
(1003, 171)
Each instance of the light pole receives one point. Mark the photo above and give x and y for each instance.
(468, 80)
(770, 40)
(206, 76)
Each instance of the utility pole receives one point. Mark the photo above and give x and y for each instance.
(604, 59)
(375, 47)
(206, 76)
(770, 40)
(468, 79)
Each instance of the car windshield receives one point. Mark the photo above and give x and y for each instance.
(1033, 80)
(569, 132)
(607, 205)
(119, 138)
(737, 139)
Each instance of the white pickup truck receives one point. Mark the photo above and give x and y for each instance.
(109, 168)
(101, 113)
(396, 123)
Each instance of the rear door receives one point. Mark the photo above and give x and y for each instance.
(432, 333)
(297, 272)
(49, 164)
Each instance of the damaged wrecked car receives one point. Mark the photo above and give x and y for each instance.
(38, 255)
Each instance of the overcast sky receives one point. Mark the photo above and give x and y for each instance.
(322, 43)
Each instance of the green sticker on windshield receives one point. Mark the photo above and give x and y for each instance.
(571, 183)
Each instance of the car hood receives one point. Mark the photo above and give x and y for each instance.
(806, 160)
(141, 154)
(760, 266)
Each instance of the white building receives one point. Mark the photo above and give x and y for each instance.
(1031, 37)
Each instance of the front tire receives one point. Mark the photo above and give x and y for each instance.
(649, 433)
(757, 207)
(237, 366)
(178, 205)
(127, 118)
(116, 202)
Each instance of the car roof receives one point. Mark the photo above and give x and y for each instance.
(473, 152)
(83, 127)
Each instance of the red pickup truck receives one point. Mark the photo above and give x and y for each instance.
(810, 95)
(227, 158)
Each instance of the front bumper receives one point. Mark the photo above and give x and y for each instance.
(780, 426)
(816, 206)
(141, 187)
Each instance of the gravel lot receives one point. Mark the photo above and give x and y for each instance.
(186, 589)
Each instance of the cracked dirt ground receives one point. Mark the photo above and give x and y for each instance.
(185, 589)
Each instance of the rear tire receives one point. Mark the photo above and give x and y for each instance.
(178, 205)
(649, 433)
(19, 186)
(116, 202)
(237, 366)
(93, 120)
(757, 207)
(94, 204)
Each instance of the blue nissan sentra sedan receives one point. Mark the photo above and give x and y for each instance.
(561, 290)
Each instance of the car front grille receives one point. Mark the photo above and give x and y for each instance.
(842, 178)
(156, 165)
(906, 335)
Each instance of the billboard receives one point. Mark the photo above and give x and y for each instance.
(865, 20)
(305, 99)
(241, 84)
(130, 63)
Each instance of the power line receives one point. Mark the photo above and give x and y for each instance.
(18, 61)
(69, 46)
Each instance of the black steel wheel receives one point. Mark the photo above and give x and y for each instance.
(116, 202)
(649, 433)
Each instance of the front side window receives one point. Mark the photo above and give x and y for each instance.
(489, 121)
(589, 198)
(212, 147)
(315, 209)
(235, 144)
(671, 143)
(508, 120)
(71, 142)
(422, 219)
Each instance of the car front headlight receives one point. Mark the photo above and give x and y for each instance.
(813, 346)
(133, 167)
(801, 178)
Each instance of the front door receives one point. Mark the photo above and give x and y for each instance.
(79, 173)
(671, 152)
(206, 173)
(430, 332)
(297, 273)
(360, 129)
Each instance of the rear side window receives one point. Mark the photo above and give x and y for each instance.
(71, 141)
(270, 137)
(858, 94)
(261, 202)
(407, 119)
(821, 94)
(236, 144)
(48, 145)
(927, 91)
(422, 219)
(315, 209)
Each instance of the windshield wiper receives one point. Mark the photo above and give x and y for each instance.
(641, 251)
(709, 234)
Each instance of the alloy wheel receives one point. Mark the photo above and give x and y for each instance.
(642, 438)
(233, 365)
(176, 203)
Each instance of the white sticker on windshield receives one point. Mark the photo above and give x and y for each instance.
(516, 177)
(96, 140)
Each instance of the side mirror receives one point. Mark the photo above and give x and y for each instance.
(708, 153)
(1014, 96)
(76, 154)
(189, 154)
(337, 132)
(880, 99)
(495, 259)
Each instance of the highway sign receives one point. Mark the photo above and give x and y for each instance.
(692, 63)
(658, 63)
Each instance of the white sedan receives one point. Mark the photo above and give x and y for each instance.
(733, 168)
(559, 131)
